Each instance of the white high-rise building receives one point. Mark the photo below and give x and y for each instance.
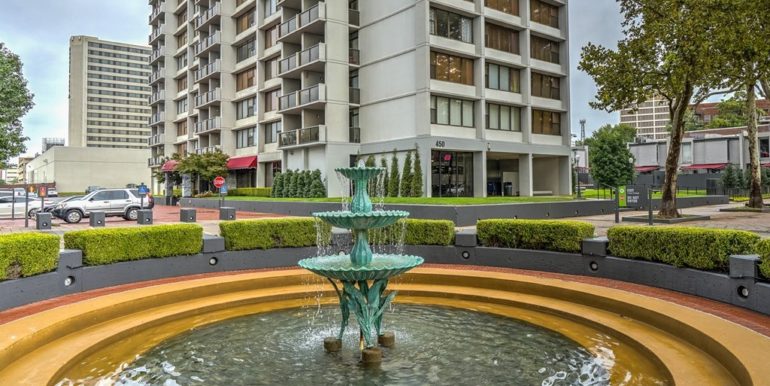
(108, 94)
(650, 118)
(480, 88)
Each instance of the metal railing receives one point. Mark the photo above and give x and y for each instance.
(355, 95)
(354, 17)
(156, 54)
(204, 44)
(157, 118)
(157, 96)
(207, 70)
(208, 149)
(207, 125)
(287, 27)
(310, 55)
(287, 101)
(155, 13)
(156, 75)
(156, 32)
(309, 95)
(309, 135)
(287, 138)
(288, 64)
(309, 16)
(207, 15)
(155, 161)
(354, 135)
(156, 139)
(354, 56)
(207, 97)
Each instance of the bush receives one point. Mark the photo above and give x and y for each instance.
(204, 195)
(549, 235)
(252, 192)
(763, 250)
(27, 254)
(416, 232)
(700, 248)
(106, 246)
(271, 233)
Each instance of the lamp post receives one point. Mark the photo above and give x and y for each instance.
(577, 174)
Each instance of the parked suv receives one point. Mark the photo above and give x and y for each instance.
(113, 202)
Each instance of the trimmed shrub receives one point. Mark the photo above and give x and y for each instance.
(406, 176)
(763, 250)
(270, 233)
(429, 232)
(278, 182)
(394, 181)
(112, 245)
(700, 248)
(549, 235)
(417, 175)
(252, 192)
(27, 254)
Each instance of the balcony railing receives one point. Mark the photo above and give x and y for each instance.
(155, 161)
(354, 56)
(207, 97)
(355, 95)
(157, 118)
(156, 54)
(208, 149)
(287, 64)
(156, 75)
(156, 139)
(287, 27)
(207, 15)
(309, 95)
(204, 44)
(310, 55)
(155, 13)
(207, 70)
(355, 135)
(310, 15)
(287, 138)
(157, 96)
(287, 101)
(208, 125)
(353, 17)
(156, 33)
(309, 135)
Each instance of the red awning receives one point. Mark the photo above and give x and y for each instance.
(705, 166)
(765, 165)
(645, 169)
(169, 166)
(248, 162)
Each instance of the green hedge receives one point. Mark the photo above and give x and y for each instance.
(549, 235)
(111, 245)
(252, 192)
(27, 254)
(416, 232)
(701, 248)
(271, 233)
(763, 250)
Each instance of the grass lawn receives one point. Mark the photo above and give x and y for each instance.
(607, 194)
(744, 199)
(418, 200)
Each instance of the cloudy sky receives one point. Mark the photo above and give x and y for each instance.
(39, 31)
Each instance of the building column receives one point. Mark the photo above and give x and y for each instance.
(525, 175)
(565, 176)
(480, 174)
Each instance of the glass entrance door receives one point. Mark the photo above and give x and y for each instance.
(452, 174)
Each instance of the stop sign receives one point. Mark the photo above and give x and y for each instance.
(219, 181)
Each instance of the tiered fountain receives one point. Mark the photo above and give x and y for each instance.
(364, 276)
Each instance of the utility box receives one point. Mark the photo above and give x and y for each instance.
(43, 221)
(226, 213)
(144, 217)
(96, 219)
(187, 215)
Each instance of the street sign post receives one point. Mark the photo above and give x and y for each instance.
(219, 182)
(143, 190)
(42, 192)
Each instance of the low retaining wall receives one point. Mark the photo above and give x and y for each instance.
(462, 215)
(739, 288)
(686, 202)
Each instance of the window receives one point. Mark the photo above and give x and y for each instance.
(271, 37)
(545, 86)
(451, 68)
(272, 130)
(451, 25)
(271, 100)
(546, 122)
(507, 6)
(245, 21)
(764, 147)
(543, 13)
(270, 7)
(181, 61)
(245, 108)
(271, 68)
(501, 117)
(245, 138)
(544, 49)
(501, 38)
(687, 153)
(247, 50)
(244, 80)
(181, 84)
(181, 128)
(503, 78)
(181, 19)
(181, 106)
(181, 40)
(451, 111)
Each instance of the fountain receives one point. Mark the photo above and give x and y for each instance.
(364, 276)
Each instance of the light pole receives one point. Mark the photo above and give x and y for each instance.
(577, 175)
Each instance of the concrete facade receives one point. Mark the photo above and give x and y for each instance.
(73, 169)
(108, 94)
(328, 81)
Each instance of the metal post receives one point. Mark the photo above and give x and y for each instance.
(26, 205)
(141, 201)
(13, 204)
(617, 206)
(649, 205)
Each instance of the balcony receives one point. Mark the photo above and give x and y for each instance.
(157, 118)
(311, 59)
(154, 15)
(157, 96)
(208, 71)
(208, 125)
(309, 21)
(313, 98)
(354, 93)
(302, 137)
(157, 139)
(157, 75)
(354, 56)
(354, 18)
(156, 54)
(287, 64)
(208, 98)
(312, 94)
(354, 135)
(209, 16)
(156, 33)
(207, 44)
(155, 161)
(208, 149)
(287, 28)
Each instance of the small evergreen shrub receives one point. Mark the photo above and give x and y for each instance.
(278, 185)
(270, 233)
(549, 235)
(406, 176)
(700, 248)
(763, 250)
(112, 245)
(27, 254)
(252, 192)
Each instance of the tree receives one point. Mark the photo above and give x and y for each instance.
(667, 51)
(394, 182)
(293, 184)
(205, 166)
(385, 179)
(307, 182)
(277, 190)
(406, 176)
(372, 184)
(15, 102)
(729, 178)
(609, 156)
(317, 185)
(417, 175)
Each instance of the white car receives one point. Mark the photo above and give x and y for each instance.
(17, 203)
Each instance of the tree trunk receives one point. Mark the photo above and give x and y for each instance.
(668, 199)
(765, 87)
(755, 194)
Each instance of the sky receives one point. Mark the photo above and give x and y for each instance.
(39, 31)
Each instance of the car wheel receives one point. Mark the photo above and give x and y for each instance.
(73, 216)
(132, 214)
(32, 213)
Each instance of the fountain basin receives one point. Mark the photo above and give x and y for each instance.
(360, 173)
(369, 220)
(340, 267)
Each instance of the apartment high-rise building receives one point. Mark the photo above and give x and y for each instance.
(479, 88)
(650, 118)
(48, 143)
(108, 94)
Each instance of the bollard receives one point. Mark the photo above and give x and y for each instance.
(96, 219)
(187, 215)
(144, 217)
(43, 221)
(226, 213)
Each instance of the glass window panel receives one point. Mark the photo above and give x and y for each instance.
(505, 117)
(468, 113)
(504, 79)
(493, 71)
(515, 119)
(443, 111)
(455, 112)
(494, 112)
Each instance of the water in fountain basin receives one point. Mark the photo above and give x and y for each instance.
(345, 189)
(379, 202)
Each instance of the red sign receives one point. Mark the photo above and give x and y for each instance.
(219, 181)
(42, 191)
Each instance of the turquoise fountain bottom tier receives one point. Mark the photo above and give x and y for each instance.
(339, 266)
